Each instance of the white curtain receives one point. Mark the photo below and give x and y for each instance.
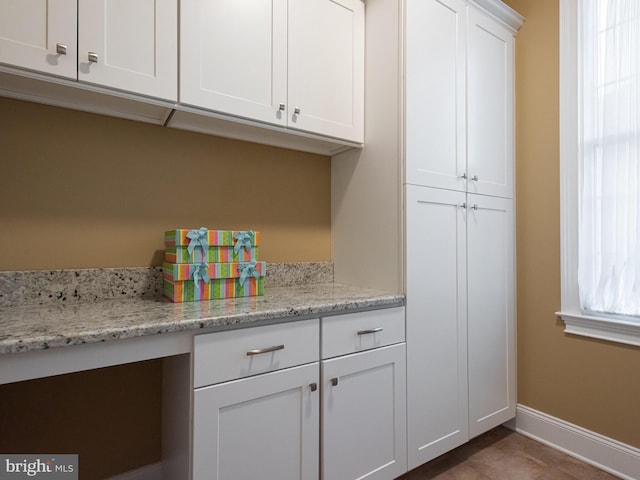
(609, 192)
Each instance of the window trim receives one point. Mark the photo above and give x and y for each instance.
(577, 322)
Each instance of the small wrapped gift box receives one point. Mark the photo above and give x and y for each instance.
(211, 246)
(195, 282)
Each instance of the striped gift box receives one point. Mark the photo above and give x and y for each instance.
(225, 281)
(180, 254)
(221, 246)
(214, 237)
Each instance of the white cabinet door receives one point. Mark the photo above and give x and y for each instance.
(435, 93)
(129, 45)
(32, 32)
(233, 57)
(265, 426)
(491, 316)
(436, 323)
(326, 67)
(364, 415)
(490, 106)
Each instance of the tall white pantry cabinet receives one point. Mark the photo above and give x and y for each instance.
(432, 192)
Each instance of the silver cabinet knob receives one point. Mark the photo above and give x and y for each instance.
(334, 381)
(314, 387)
(61, 49)
(464, 205)
(281, 107)
(296, 111)
(93, 57)
(474, 178)
(463, 176)
(475, 206)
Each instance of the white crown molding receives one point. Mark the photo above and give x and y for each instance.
(610, 455)
(502, 12)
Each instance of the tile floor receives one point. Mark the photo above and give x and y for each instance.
(502, 454)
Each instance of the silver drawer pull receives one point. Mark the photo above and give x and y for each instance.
(93, 57)
(371, 330)
(61, 49)
(258, 351)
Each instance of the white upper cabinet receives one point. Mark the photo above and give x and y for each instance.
(459, 99)
(129, 45)
(326, 67)
(435, 91)
(293, 64)
(234, 57)
(39, 35)
(490, 107)
(288, 73)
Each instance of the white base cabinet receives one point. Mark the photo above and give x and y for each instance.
(490, 312)
(364, 415)
(460, 318)
(265, 406)
(364, 422)
(436, 272)
(265, 426)
(256, 403)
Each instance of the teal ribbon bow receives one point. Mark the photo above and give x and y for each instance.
(243, 240)
(198, 238)
(200, 272)
(247, 270)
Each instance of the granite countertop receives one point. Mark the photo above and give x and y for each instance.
(39, 327)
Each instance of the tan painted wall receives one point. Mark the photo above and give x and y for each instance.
(109, 417)
(590, 383)
(79, 190)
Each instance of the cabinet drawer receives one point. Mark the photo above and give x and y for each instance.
(354, 332)
(222, 356)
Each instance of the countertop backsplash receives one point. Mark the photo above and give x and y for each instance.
(41, 287)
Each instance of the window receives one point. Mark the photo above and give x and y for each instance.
(600, 168)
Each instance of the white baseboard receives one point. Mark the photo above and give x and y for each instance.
(605, 453)
(148, 472)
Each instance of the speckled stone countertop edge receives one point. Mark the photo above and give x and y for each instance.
(74, 286)
(41, 327)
